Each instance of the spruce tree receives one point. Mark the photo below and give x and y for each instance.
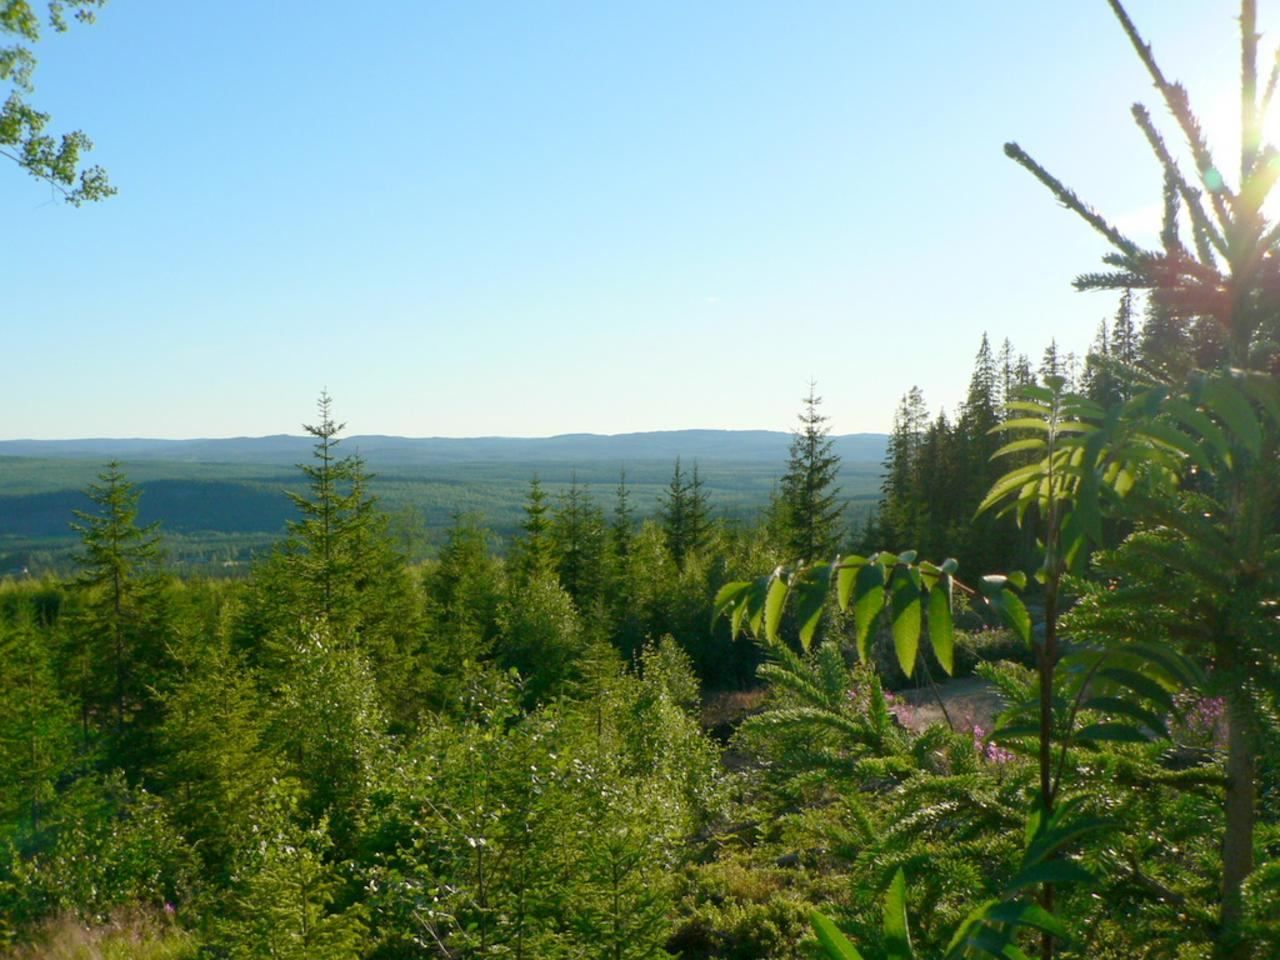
(533, 553)
(622, 529)
(320, 568)
(119, 630)
(286, 893)
(338, 571)
(577, 533)
(685, 513)
(697, 513)
(215, 768)
(673, 511)
(809, 496)
(37, 725)
(969, 470)
(900, 508)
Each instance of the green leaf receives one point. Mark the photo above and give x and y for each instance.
(1263, 388)
(1127, 708)
(1025, 406)
(904, 593)
(1232, 407)
(1140, 684)
(969, 928)
(897, 937)
(950, 566)
(1074, 426)
(1013, 731)
(867, 604)
(1111, 732)
(1028, 915)
(848, 569)
(941, 627)
(773, 605)
(1027, 423)
(835, 944)
(1181, 669)
(1011, 481)
(1017, 446)
(755, 603)
(1058, 833)
(728, 599)
(1164, 433)
(811, 598)
(1013, 613)
(1060, 872)
(992, 583)
(1200, 425)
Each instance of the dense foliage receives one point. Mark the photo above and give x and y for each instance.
(559, 750)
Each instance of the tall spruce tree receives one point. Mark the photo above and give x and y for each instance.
(900, 506)
(685, 514)
(533, 554)
(622, 528)
(119, 633)
(698, 513)
(976, 542)
(338, 573)
(577, 532)
(321, 567)
(809, 496)
(37, 725)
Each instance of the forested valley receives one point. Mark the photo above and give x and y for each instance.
(558, 749)
(1030, 707)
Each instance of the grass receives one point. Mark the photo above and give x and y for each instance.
(135, 934)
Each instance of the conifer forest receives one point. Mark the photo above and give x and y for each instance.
(1028, 708)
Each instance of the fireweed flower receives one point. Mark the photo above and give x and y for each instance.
(990, 752)
(1202, 721)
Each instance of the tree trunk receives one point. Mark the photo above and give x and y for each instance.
(1237, 840)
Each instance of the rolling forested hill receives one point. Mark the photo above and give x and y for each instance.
(220, 500)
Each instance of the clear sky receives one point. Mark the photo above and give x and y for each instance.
(473, 218)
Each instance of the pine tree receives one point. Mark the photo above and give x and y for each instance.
(329, 721)
(338, 571)
(37, 726)
(321, 559)
(1099, 383)
(286, 888)
(577, 533)
(809, 496)
(533, 553)
(1124, 337)
(945, 510)
(685, 514)
(215, 768)
(900, 509)
(673, 512)
(1053, 363)
(387, 621)
(697, 513)
(1165, 342)
(119, 632)
(622, 529)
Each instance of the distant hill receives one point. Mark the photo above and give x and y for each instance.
(704, 445)
(223, 499)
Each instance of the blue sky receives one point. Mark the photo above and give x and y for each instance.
(474, 218)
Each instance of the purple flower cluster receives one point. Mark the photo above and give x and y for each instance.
(1202, 721)
(990, 752)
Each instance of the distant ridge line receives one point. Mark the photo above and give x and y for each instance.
(744, 446)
